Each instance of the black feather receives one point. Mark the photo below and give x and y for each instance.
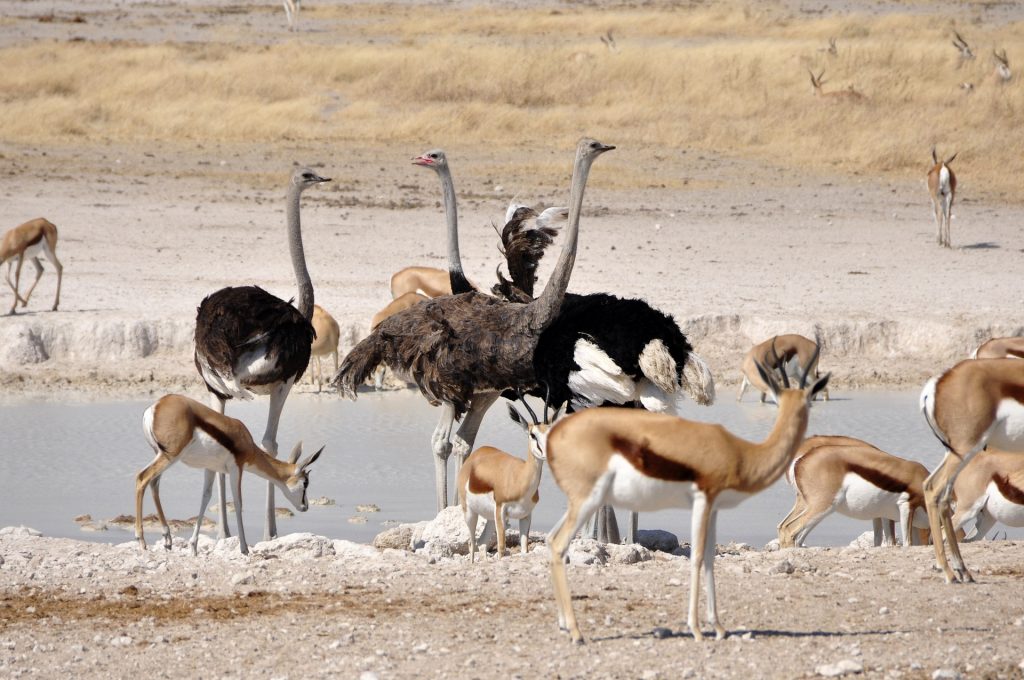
(523, 249)
(236, 320)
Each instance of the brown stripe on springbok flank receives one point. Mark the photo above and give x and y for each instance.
(476, 485)
(218, 436)
(651, 464)
(1015, 353)
(879, 479)
(1009, 491)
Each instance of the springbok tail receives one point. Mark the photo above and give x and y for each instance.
(928, 409)
(358, 366)
(697, 380)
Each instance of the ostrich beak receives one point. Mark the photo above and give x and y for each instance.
(422, 160)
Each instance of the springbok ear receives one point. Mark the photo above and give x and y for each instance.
(296, 452)
(820, 384)
(517, 417)
(312, 459)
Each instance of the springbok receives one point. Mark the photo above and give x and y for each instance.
(966, 54)
(325, 343)
(976, 404)
(291, 11)
(647, 461)
(1000, 348)
(989, 489)
(182, 429)
(428, 281)
(856, 479)
(497, 486)
(942, 187)
(848, 95)
(793, 351)
(1002, 74)
(29, 241)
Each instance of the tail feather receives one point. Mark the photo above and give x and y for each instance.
(697, 380)
(358, 365)
(523, 249)
(658, 366)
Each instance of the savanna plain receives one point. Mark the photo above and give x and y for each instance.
(158, 137)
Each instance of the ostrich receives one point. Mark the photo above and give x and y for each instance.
(463, 350)
(251, 342)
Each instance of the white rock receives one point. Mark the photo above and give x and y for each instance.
(322, 500)
(783, 567)
(840, 668)
(351, 550)
(298, 546)
(946, 674)
(368, 675)
(243, 579)
(587, 551)
(772, 545)
(20, 531)
(865, 540)
(396, 538)
(628, 554)
(446, 534)
(120, 641)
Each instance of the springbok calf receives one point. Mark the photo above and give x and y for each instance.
(975, 404)
(325, 343)
(496, 485)
(428, 281)
(989, 489)
(182, 429)
(29, 241)
(847, 96)
(647, 461)
(793, 352)
(1000, 348)
(856, 479)
(942, 187)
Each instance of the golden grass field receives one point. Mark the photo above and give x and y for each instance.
(733, 80)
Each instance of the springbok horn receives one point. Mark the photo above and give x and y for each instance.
(810, 363)
(547, 399)
(779, 365)
(533, 416)
(296, 452)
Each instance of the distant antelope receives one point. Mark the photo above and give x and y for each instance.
(794, 351)
(609, 41)
(856, 479)
(966, 54)
(942, 187)
(976, 404)
(989, 489)
(1000, 348)
(651, 461)
(29, 241)
(428, 281)
(496, 485)
(847, 95)
(328, 334)
(831, 50)
(1003, 74)
(291, 10)
(182, 430)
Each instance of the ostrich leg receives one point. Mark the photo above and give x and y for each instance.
(217, 404)
(602, 526)
(442, 448)
(277, 399)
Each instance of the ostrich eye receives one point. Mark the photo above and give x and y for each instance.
(434, 156)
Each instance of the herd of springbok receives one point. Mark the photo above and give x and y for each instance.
(249, 342)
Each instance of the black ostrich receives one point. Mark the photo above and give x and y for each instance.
(250, 342)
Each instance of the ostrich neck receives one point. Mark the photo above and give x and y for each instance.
(457, 278)
(302, 279)
(545, 307)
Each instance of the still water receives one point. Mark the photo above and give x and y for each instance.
(60, 460)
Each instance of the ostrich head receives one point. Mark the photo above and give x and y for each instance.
(591, 148)
(303, 178)
(433, 159)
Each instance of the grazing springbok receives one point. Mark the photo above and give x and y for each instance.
(647, 461)
(328, 334)
(499, 486)
(1002, 74)
(856, 479)
(966, 54)
(976, 404)
(942, 187)
(29, 241)
(849, 95)
(989, 489)
(182, 429)
(793, 352)
(1000, 348)
(428, 281)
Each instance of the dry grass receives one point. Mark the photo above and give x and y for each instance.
(731, 79)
